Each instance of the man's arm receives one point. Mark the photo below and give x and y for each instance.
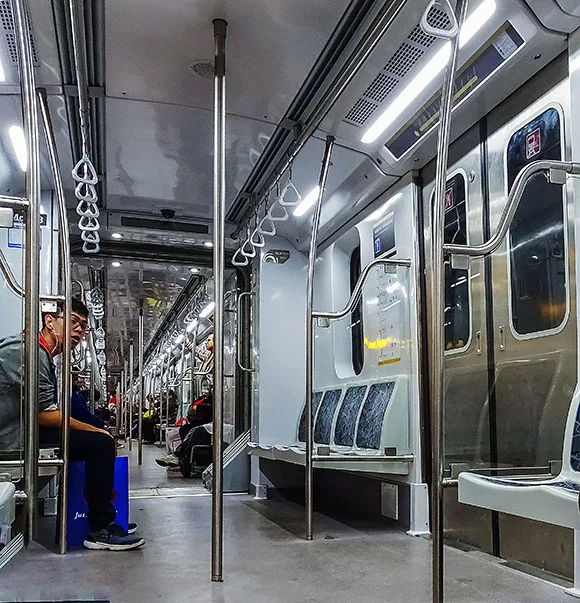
(53, 419)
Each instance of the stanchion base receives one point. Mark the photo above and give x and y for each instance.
(217, 579)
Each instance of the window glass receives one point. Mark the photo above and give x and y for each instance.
(536, 237)
(457, 312)
(356, 330)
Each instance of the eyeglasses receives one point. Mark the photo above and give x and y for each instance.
(76, 323)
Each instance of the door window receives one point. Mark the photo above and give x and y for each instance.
(457, 311)
(537, 250)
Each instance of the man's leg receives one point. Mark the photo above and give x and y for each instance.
(97, 450)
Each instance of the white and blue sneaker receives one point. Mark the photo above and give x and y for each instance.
(113, 538)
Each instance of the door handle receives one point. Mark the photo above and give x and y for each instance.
(478, 343)
(241, 296)
(501, 330)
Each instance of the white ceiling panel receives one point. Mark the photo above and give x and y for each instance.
(161, 155)
(271, 47)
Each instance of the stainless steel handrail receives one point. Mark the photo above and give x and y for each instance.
(41, 463)
(141, 388)
(511, 206)
(241, 296)
(438, 299)
(219, 192)
(395, 458)
(67, 284)
(357, 291)
(13, 202)
(131, 393)
(309, 469)
(32, 259)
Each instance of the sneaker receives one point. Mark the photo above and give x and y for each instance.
(112, 538)
(132, 528)
(168, 461)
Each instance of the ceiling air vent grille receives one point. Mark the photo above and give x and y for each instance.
(398, 66)
(8, 26)
(360, 112)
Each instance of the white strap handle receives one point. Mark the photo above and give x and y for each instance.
(439, 32)
(290, 196)
(84, 171)
(277, 218)
(239, 259)
(263, 227)
(257, 238)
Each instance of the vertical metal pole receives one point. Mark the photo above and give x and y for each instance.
(167, 399)
(437, 300)
(219, 193)
(310, 335)
(94, 366)
(121, 411)
(31, 262)
(125, 398)
(131, 370)
(64, 256)
(141, 392)
(161, 397)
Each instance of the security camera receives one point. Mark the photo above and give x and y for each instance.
(168, 213)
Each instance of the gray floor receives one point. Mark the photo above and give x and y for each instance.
(265, 560)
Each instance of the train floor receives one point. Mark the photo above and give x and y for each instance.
(266, 561)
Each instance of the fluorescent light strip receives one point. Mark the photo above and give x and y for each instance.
(476, 20)
(2, 74)
(307, 202)
(19, 143)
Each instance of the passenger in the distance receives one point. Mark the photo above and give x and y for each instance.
(90, 444)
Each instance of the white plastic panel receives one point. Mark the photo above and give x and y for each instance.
(281, 358)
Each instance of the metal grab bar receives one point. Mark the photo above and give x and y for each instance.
(512, 204)
(41, 463)
(13, 202)
(64, 257)
(395, 458)
(31, 259)
(239, 333)
(357, 291)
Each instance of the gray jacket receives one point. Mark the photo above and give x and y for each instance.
(11, 389)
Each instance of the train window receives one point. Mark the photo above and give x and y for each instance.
(457, 311)
(356, 331)
(537, 256)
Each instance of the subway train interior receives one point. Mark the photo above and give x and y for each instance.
(292, 283)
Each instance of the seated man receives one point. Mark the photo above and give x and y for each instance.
(90, 444)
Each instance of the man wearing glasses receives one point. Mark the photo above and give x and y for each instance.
(90, 444)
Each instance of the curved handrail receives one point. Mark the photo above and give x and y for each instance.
(511, 206)
(239, 332)
(8, 275)
(357, 291)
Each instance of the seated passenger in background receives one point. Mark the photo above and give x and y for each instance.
(90, 444)
(198, 431)
(79, 406)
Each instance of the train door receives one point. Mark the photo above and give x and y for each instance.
(466, 367)
(534, 311)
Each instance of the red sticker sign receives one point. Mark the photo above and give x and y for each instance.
(533, 143)
(449, 201)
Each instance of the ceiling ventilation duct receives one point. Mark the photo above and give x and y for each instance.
(7, 21)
